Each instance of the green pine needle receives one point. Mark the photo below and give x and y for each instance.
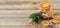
(35, 17)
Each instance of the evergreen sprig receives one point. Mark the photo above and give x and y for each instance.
(35, 18)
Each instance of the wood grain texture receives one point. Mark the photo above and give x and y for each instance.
(16, 7)
(20, 13)
(15, 13)
(14, 21)
(15, 26)
(26, 1)
(27, 6)
(14, 1)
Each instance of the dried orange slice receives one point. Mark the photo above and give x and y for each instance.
(55, 19)
(45, 23)
(45, 6)
(51, 13)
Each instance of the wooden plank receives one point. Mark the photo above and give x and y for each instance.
(19, 13)
(15, 13)
(51, 1)
(17, 23)
(25, 1)
(16, 7)
(15, 26)
(53, 6)
(14, 21)
(27, 6)
(14, 1)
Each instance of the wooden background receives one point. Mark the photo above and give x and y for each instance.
(14, 13)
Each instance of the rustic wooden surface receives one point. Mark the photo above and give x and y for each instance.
(14, 13)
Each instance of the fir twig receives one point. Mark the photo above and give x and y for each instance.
(35, 18)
